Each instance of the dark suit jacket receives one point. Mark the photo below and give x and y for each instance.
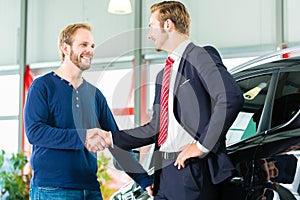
(206, 102)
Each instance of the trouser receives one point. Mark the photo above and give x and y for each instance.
(190, 183)
(57, 193)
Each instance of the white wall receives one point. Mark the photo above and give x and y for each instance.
(234, 26)
(9, 23)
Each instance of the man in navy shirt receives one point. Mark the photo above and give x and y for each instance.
(63, 116)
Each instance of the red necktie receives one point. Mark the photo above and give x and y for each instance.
(164, 97)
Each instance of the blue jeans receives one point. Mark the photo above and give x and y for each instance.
(57, 193)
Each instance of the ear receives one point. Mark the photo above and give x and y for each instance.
(66, 49)
(169, 25)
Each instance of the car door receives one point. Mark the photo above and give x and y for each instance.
(264, 140)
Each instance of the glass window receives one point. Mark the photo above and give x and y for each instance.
(9, 135)
(9, 101)
(255, 91)
(9, 111)
(287, 98)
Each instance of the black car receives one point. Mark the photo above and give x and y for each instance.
(264, 141)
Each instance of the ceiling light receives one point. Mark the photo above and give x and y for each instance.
(119, 7)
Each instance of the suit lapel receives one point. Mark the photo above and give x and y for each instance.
(182, 64)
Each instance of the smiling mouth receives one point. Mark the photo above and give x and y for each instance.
(86, 59)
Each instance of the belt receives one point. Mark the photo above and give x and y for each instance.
(168, 155)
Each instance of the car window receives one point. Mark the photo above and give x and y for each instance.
(287, 98)
(254, 90)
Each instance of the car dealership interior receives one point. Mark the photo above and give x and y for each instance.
(125, 63)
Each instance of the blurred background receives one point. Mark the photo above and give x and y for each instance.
(125, 64)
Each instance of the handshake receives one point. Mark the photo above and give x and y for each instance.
(97, 139)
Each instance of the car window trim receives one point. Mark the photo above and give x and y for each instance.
(266, 115)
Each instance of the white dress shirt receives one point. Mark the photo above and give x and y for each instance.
(177, 136)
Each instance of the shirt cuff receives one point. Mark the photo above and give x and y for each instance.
(202, 148)
(111, 139)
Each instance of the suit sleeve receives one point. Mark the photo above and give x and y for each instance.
(137, 137)
(126, 159)
(225, 96)
(142, 135)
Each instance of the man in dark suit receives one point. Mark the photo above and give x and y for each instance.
(203, 102)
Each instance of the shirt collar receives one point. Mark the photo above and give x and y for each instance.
(178, 52)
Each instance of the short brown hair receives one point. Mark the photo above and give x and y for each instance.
(66, 35)
(176, 12)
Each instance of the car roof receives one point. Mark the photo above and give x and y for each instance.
(282, 58)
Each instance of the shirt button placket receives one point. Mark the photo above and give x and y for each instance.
(77, 99)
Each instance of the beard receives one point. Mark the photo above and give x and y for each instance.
(79, 61)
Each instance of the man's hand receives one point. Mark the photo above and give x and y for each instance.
(149, 189)
(187, 151)
(97, 140)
